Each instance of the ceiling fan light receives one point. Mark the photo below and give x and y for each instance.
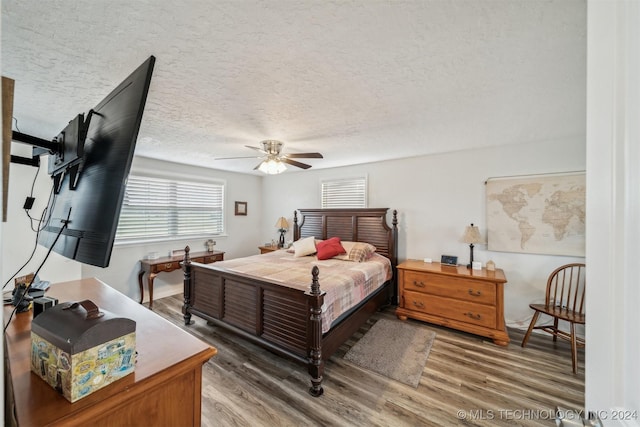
(272, 146)
(272, 167)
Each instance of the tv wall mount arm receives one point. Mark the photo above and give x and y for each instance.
(40, 147)
(53, 147)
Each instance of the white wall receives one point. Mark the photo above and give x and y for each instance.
(436, 197)
(1, 276)
(18, 238)
(612, 380)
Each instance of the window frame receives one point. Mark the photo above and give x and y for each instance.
(220, 186)
(364, 195)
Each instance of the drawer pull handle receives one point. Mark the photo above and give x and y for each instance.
(474, 293)
(418, 284)
(168, 265)
(418, 304)
(473, 316)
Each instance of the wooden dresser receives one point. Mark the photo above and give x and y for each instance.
(165, 388)
(454, 296)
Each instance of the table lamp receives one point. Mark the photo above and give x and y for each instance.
(282, 225)
(471, 236)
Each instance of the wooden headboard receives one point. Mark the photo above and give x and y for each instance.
(355, 225)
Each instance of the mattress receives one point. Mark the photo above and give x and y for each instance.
(345, 283)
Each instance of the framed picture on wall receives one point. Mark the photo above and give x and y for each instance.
(241, 208)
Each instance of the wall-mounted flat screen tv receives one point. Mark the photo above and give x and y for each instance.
(90, 183)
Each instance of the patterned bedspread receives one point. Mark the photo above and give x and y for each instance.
(346, 283)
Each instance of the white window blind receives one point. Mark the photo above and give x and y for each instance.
(344, 193)
(157, 209)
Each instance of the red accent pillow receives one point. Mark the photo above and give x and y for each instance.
(329, 248)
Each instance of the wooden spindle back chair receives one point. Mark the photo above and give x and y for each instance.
(564, 301)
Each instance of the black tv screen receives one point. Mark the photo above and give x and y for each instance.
(91, 209)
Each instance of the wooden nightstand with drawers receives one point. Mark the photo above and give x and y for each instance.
(267, 249)
(454, 296)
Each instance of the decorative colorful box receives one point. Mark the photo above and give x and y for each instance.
(78, 348)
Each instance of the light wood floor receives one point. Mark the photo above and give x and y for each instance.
(467, 381)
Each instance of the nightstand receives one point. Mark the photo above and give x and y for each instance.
(454, 296)
(267, 249)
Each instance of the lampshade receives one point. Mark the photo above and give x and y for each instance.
(272, 166)
(282, 223)
(472, 234)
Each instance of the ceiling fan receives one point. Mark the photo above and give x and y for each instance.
(273, 158)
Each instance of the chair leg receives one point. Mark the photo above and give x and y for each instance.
(531, 325)
(574, 349)
(555, 329)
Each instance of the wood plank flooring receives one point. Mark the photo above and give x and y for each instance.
(467, 381)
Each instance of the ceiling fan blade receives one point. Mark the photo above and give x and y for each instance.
(230, 158)
(258, 165)
(304, 156)
(256, 148)
(294, 163)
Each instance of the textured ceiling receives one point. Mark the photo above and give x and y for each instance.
(360, 81)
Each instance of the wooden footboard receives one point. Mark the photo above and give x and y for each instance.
(285, 320)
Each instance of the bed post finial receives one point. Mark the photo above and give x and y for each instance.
(316, 364)
(187, 258)
(186, 268)
(315, 283)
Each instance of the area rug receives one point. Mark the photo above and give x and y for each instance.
(395, 349)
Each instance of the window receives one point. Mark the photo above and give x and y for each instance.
(344, 193)
(158, 209)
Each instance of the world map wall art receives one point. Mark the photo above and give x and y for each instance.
(540, 214)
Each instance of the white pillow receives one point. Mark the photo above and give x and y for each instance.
(304, 247)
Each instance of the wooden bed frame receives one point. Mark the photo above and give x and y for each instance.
(284, 320)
